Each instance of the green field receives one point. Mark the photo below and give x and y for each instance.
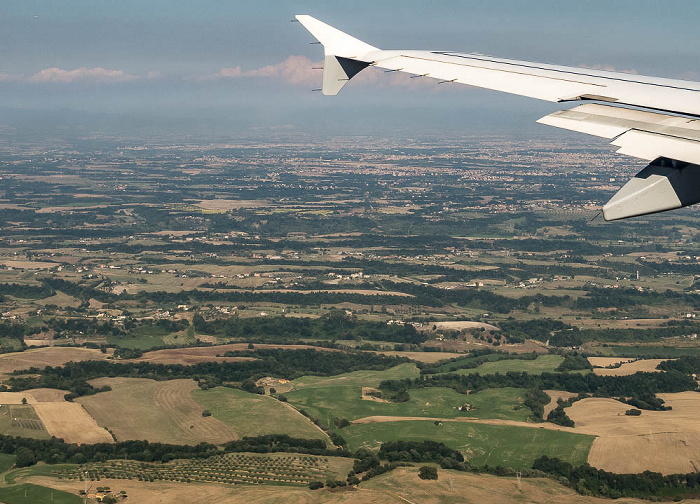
(543, 364)
(35, 494)
(498, 364)
(21, 420)
(40, 469)
(255, 415)
(495, 445)
(339, 397)
(142, 342)
(453, 366)
(358, 378)
(6, 462)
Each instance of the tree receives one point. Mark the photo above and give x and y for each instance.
(428, 473)
(24, 400)
(24, 457)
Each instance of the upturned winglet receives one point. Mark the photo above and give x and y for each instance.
(345, 56)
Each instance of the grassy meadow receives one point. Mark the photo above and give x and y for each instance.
(255, 415)
(481, 444)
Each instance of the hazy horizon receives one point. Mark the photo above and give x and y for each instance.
(227, 68)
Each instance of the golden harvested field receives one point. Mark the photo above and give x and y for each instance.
(33, 396)
(400, 486)
(225, 205)
(607, 361)
(556, 394)
(61, 419)
(458, 325)
(138, 408)
(471, 343)
(585, 323)
(71, 422)
(428, 357)
(189, 356)
(628, 368)
(49, 356)
(662, 441)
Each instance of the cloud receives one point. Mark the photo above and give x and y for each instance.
(229, 73)
(5, 77)
(301, 71)
(82, 74)
(295, 70)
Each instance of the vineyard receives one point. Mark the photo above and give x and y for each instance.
(233, 468)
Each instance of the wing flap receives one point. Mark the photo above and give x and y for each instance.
(641, 134)
(650, 146)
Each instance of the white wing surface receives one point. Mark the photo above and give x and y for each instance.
(646, 117)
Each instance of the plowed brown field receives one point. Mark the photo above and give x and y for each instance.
(48, 356)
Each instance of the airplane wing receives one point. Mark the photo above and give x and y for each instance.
(646, 117)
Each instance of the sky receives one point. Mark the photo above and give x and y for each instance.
(234, 66)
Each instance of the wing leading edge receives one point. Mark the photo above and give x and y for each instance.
(670, 142)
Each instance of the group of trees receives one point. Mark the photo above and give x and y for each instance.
(573, 362)
(282, 363)
(29, 451)
(638, 384)
(335, 325)
(591, 481)
(25, 291)
(417, 451)
(688, 364)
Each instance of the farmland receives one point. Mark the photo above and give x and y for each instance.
(628, 368)
(393, 488)
(543, 363)
(503, 445)
(33, 494)
(233, 290)
(70, 422)
(341, 401)
(48, 356)
(138, 408)
(47, 414)
(253, 415)
(16, 420)
(234, 468)
(661, 441)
